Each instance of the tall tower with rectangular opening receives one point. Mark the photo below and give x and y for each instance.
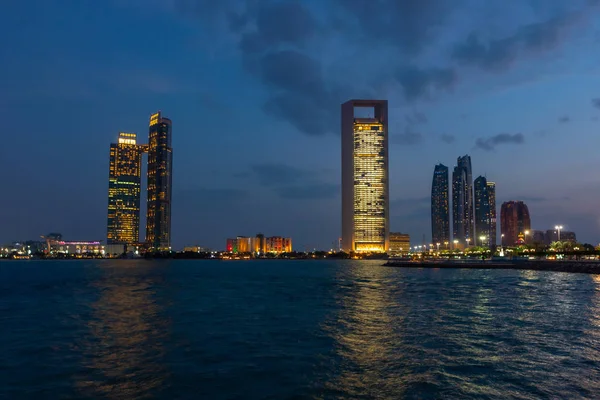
(365, 179)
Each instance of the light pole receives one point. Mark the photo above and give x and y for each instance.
(455, 243)
(558, 228)
(526, 234)
(438, 247)
(468, 240)
(446, 243)
(482, 238)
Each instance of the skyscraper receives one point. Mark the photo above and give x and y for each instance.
(491, 189)
(124, 186)
(365, 183)
(160, 163)
(514, 220)
(462, 200)
(440, 205)
(485, 203)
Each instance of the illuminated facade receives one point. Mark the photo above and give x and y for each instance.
(124, 190)
(365, 181)
(399, 243)
(485, 213)
(514, 220)
(440, 205)
(160, 163)
(259, 244)
(491, 189)
(462, 201)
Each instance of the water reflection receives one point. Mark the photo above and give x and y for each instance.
(366, 334)
(123, 352)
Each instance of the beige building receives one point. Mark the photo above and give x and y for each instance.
(399, 243)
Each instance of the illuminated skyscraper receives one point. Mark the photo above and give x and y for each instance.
(462, 201)
(491, 189)
(365, 183)
(440, 205)
(160, 163)
(124, 187)
(514, 220)
(485, 211)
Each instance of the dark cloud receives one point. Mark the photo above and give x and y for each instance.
(294, 183)
(278, 174)
(309, 191)
(490, 143)
(499, 54)
(564, 119)
(416, 118)
(417, 83)
(596, 102)
(405, 24)
(408, 138)
(448, 138)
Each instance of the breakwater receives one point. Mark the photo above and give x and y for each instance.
(584, 267)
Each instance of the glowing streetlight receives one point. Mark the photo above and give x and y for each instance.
(455, 243)
(558, 228)
(469, 240)
(438, 247)
(446, 243)
(482, 238)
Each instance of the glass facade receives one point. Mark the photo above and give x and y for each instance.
(484, 212)
(160, 163)
(440, 205)
(369, 186)
(124, 189)
(491, 189)
(462, 201)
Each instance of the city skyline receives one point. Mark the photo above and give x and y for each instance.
(257, 110)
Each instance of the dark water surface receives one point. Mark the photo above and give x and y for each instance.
(294, 329)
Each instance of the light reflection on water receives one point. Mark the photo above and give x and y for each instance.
(123, 353)
(283, 329)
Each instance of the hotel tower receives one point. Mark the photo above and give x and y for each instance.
(365, 180)
(124, 186)
(160, 167)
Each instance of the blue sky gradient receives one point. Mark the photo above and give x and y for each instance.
(254, 91)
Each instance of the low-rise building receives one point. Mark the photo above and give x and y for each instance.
(399, 243)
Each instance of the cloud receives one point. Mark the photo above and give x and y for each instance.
(408, 138)
(564, 119)
(596, 102)
(490, 143)
(309, 191)
(449, 139)
(294, 183)
(274, 174)
(416, 118)
(417, 82)
(500, 54)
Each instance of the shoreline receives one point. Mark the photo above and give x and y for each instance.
(581, 267)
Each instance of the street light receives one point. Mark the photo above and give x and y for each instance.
(438, 247)
(455, 243)
(482, 238)
(526, 234)
(446, 243)
(468, 240)
(558, 228)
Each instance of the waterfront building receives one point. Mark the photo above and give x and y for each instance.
(485, 213)
(160, 167)
(399, 243)
(259, 244)
(462, 201)
(552, 235)
(365, 179)
(77, 247)
(514, 220)
(493, 232)
(124, 190)
(537, 237)
(440, 206)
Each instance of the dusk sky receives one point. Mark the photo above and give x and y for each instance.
(254, 91)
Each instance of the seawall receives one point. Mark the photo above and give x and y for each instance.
(584, 267)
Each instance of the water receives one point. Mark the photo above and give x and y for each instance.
(294, 330)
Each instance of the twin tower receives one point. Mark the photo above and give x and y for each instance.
(124, 187)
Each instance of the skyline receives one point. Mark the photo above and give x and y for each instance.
(257, 140)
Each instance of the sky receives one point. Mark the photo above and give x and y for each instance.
(254, 91)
